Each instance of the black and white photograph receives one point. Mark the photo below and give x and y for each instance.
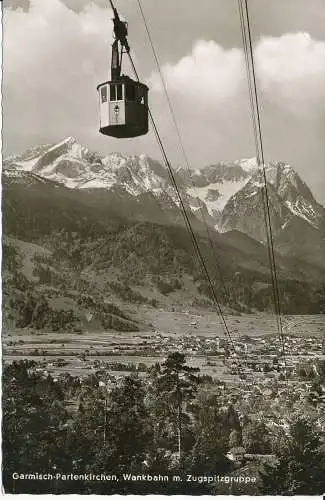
(163, 247)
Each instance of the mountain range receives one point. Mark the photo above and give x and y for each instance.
(116, 220)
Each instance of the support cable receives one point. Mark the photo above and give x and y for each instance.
(179, 135)
(187, 222)
(254, 102)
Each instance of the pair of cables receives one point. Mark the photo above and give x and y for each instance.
(260, 157)
(254, 105)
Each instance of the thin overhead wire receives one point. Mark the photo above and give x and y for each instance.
(181, 142)
(188, 225)
(255, 110)
(185, 215)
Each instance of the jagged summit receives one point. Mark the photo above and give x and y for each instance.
(76, 167)
(227, 192)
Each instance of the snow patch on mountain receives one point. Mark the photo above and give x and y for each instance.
(248, 164)
(226, 189)
(27, 165)
(305, 212)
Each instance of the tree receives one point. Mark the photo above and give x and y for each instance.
(127, 421)
(125, 433)
(230, 422)
(33, 427)
(300, 463)
(234, 439)
(256, 438)
(315, 392)
(211, 437)
(173, 387)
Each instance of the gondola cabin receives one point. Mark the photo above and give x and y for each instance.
(123, 105)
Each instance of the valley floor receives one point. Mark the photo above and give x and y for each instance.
(198, 335)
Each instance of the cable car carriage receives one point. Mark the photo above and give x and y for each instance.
(123, 102)
(123, 108)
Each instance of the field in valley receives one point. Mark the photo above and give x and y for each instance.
(78, 352)
(208, 323)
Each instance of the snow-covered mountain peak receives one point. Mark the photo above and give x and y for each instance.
(218, 189)
(289, 197)
(75, 166)
(248, 164)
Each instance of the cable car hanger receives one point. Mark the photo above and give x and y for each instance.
(123, 102)
(120, 33)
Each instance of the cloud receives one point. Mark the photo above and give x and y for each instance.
(53, 60)
(208, 92)
(291, 70)
(54, 57)
(210, 74)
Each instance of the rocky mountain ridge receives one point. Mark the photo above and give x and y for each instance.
(215, 188)
(228, 196)
(108, 230)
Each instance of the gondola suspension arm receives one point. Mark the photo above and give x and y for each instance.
(120, 34)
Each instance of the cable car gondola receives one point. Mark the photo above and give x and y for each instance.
(123, 102)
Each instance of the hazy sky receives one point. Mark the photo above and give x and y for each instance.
(57, 51)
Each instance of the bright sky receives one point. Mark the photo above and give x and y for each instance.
(57, 51)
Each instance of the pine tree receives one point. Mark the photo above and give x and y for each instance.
(301, 463)
(33, 428)
(173, 387)
(211, 437)
(256, 438)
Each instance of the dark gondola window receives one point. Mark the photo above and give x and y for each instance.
(103, 93)
(112, 93)
(119, 93)
(130, 92)
(141, 95)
